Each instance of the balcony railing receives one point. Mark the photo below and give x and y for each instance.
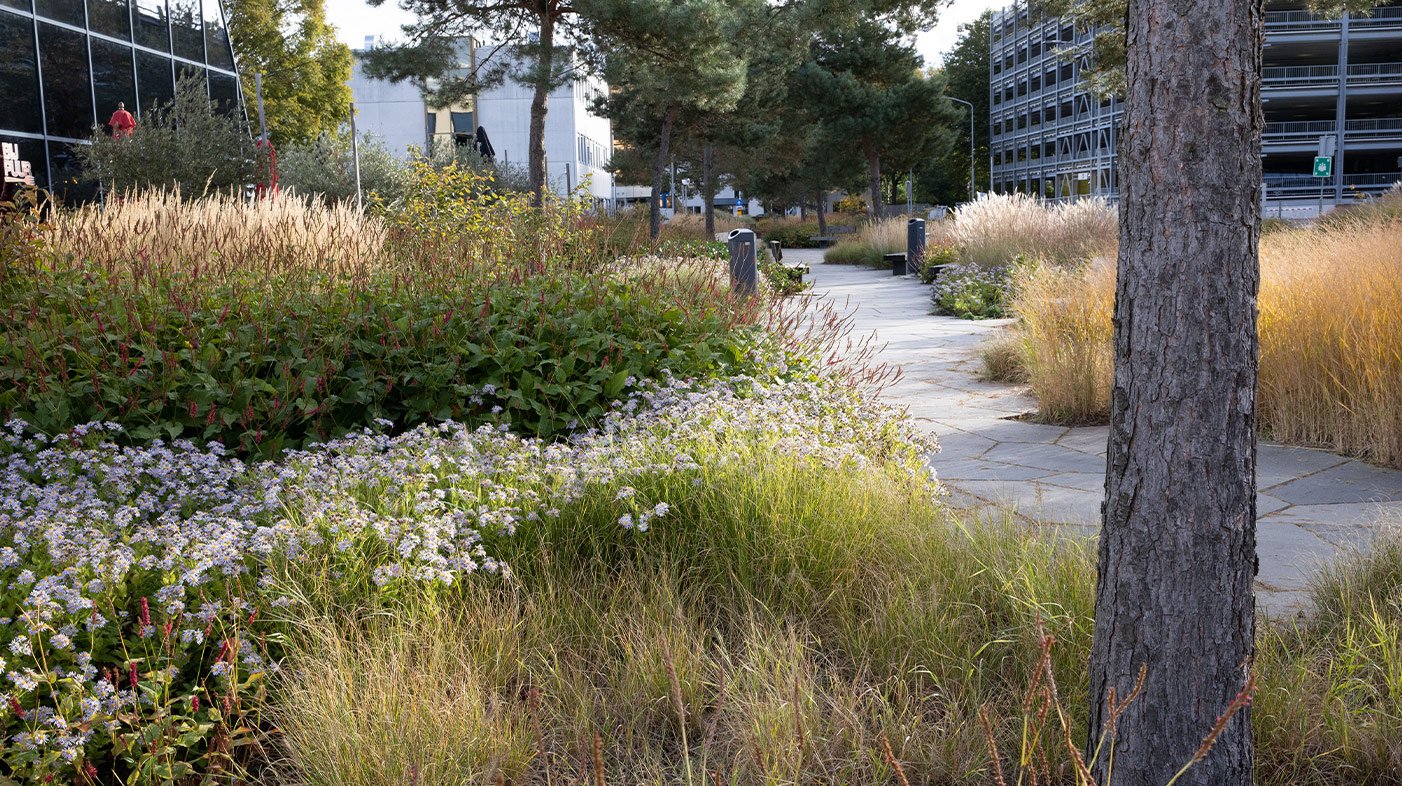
(1297, 20)
(1328, 76)
(1304, 21)
(1385, 127)
(1279, 184)
(1380, 18)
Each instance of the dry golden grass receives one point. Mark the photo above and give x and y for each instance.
(998, 229)
(223, 233)
(1065, 332)
(1331, 338)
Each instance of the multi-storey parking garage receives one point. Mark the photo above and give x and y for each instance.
(66, 64)
(1335, 83)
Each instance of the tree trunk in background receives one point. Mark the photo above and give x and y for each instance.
(545, 66)
(802, 210)
(659, 171)
(1178, 549)
(708, 186)
(874, 179)
(822, 213)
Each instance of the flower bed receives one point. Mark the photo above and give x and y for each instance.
(139, 580)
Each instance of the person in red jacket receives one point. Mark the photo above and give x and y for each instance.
(122, 122)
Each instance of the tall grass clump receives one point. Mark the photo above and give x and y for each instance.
(870, 243)
(1331, 338)
(801, 598)
(1330, 710)
(997, 229)
(1330, 327)
(166, 233)
(1064, 336)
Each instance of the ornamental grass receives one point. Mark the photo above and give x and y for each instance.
(1330, 327)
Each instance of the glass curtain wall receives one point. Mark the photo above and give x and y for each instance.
(66, 64)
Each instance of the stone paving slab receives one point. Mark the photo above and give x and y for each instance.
(1313, 505)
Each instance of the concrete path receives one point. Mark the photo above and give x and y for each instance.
(1312, 505)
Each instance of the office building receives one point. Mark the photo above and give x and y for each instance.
(578, 141)
(397, 114)
(1328, 85)
(65, 65)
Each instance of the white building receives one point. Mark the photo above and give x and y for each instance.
(578, 142)
(399, 116)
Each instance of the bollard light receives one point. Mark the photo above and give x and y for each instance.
(744, 273)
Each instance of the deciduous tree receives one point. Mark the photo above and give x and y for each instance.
(304, 67)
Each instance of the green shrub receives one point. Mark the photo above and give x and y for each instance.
(790, 232)
(850, 253)
(185, 143)
(321, 358)
(934, 258)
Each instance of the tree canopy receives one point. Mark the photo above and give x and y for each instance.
(304, 67)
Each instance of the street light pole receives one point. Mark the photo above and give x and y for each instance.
(973, 189)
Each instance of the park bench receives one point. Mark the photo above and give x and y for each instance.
(824, 241)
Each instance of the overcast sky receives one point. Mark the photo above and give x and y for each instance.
(355, 19)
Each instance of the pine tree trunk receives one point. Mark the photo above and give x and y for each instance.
(874, 180)
(708, 188)
(659, 171)
(822, 213)
(545, 66)
(1178, 549)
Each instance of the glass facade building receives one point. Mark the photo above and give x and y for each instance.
(66, 64)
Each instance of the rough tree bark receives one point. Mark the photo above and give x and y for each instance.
(822, 208)
(874, 179)
(1177, 553)
(659, 171)
(545, 67)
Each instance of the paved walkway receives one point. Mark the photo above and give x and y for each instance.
(1312, 503)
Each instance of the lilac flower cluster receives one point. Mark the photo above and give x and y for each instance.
(89, 527)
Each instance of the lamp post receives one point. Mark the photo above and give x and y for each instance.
(973, 192)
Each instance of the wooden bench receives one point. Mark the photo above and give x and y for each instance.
(824, 241)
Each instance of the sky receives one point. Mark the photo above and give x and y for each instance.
(355, 19)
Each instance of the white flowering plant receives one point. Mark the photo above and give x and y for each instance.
(142, 587)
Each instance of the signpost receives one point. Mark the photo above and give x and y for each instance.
(1324, 166)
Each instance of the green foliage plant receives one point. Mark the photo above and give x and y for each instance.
(186, 143)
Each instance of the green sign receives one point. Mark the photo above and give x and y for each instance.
(1323, 166)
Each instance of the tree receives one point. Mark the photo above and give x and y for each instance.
(184, 143)
(1177, 551)
(534, 37)
(869, 90)
(668, 60)
(966, 74)
(304, 67)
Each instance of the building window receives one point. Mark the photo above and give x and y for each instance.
(110, 17)
(151, 27)
(70, 11)
(216, 37)
(19, 79)
(187, 29)
(63, 60)
(224, 93)
(114, 79)
(153, 80)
